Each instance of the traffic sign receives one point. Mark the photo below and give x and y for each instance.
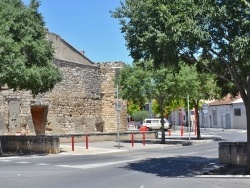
(118, 106)
(205, 108)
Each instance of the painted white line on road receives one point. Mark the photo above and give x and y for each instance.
(96, 165)
(90, 153)
(42, 164)
(23, 162)
(223, 176)
(6, 160)
(191, 153)
(211, 150)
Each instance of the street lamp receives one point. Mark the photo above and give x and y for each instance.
(117, 104)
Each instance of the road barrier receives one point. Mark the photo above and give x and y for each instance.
(140, 135)
(143, 138)
(132, 139)
(169, 132)
(73, 143)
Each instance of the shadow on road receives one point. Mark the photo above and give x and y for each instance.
(182, 166)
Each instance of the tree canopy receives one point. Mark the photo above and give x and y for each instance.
(213, 34)
(25, 53)
(133, 82)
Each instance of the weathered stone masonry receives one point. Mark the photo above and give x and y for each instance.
(84, 101)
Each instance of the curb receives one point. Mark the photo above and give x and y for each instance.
(223, 176)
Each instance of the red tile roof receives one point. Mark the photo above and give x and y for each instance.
(225, 101)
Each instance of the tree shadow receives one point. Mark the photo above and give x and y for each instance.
(179, 166)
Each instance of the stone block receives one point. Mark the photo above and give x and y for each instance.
(31, 144)
(234, 153)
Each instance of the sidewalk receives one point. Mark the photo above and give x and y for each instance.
(102, 147)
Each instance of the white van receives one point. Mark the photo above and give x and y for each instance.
(155, 124)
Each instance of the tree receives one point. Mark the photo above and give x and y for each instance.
(133, 81)
(132, 108)
(140, 115)
(25, 53)
(213, 34)
(146, 83)
(199, 86)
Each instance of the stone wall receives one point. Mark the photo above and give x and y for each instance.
(233, 153)
(84, 101)
(110, 116)
(30, 144)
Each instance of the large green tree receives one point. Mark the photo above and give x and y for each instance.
(147, 83)
(25, 53)
(197, 87)
(133, 80)
(213, 34)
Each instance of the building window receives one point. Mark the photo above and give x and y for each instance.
(237, 112)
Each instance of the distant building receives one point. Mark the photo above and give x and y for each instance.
(226, 113)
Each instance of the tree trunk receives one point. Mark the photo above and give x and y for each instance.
(1, 152)
(196, 113)
(163, 137)
(248, 135)
(162, 122)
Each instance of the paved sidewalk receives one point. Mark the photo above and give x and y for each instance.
(102, 147)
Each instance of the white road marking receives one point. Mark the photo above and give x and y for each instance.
(212, 150)
(5, 160)
(42, 164)
(191, 153)
(23, 162)
(96, 165)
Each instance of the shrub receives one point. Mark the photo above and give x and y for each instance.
(140, 115)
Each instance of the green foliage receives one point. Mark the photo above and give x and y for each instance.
(198, 85)
(171, 106)
(140, 115)
(25, 53)
(214, 35)
(133, 85)
(132, 108)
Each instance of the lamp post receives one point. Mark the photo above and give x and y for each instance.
(117, 104)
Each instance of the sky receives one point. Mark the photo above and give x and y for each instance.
(87, 25)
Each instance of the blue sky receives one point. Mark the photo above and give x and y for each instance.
(87, 25)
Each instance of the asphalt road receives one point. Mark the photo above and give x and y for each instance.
(175, 166)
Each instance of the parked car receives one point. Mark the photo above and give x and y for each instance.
(155, 124)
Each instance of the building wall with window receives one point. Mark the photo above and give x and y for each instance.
(239, 115)
(226, 113)
(218, 116)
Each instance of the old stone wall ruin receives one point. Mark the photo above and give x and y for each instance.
(84, 101)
